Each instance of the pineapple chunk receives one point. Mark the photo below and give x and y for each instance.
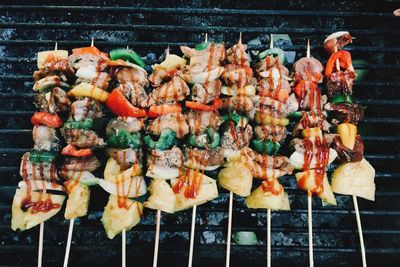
(25, 220)
(44, 56)
(259, 199)
(207, 191)
(171, 61)
(112, 169)
(161, 196)
(355, 178)
(236, 177)
(327, 194)
(77, 202)
(115, 219)
(86, 89)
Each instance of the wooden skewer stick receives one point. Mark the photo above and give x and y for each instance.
(157, 239)
(92, 43)
(192, 236)
(123, 248)
(309, 201)
(360, 233)
(271, 41)
(69, 238)
(268, 237)
(40, 250)
(229, 231)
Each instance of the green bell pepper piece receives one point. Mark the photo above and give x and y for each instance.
(38, 156)
(276, 52)
(124, 139)
(266, 147)
(85, 124)
(212, 139)
(166, 141)
(127, 55)
(236, 118)
(202, 46)
(342, 99)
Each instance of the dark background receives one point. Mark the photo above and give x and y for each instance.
(149, 27)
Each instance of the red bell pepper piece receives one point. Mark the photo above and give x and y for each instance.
(120, 106)
(71, 150)
(156, 111)
(216, 104)
(345, 62)
(46, 118)
(89, 50)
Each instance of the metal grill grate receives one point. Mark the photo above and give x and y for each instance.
(149, 27)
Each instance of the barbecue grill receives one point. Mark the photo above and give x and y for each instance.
(149, 27)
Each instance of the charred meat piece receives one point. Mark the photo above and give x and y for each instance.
(310, 121)
(129, 75)
(89, 164)
(207, 92)
(126, 157)
(236, 137)
(60, 67)
(346, 154)
(200, 120)
(45, 138)
(135, 93)
(345, 112)
(38, 171)
(174, 121)
(170, 92)
(82, 138)
(172, 158)
(204, 157)
(340, 83)
(236, 76)
(237, 55)
(336, 41)
(86, 108)
(130, 124)
(239, 103)
(88, 60)
(54, 101)
(308, 69)
(270, 132)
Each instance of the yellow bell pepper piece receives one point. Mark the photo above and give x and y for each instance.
(347, 133)
(266, 119)
(86, 89)
(312, 132)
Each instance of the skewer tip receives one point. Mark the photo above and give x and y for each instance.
(271, 41)
(56, 46)
(92, 43)
(240, 37)
(206, 38)
(308, 48)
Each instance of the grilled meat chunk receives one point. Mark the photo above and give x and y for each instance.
(44, 138)
(239, 103)
(349, 155)
(38, 171)
(345, 112)
(336, 41)
(236, 137)
(270, 132)
(161, 74)
(174, 121)
(213, 55)
(90, 75)
(54, 101)
(88, 60)
(126, 157)
(60, 67)
(170, 92)
(202, 158)
(136, 94)
(237, 55)
(130, 124)
(89, 164)
(207, 92)
(200, 120)
(308, 69)
(86, 108)
(340, 83)
(271, 67)
(236, 76)
(172, 158)
(130, 75)
(82, 138)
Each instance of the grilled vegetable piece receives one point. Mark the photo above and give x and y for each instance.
(86, 89)
(48, 83)
(347, 133)
(266, 147)
(166, 141)
(124, 139)
(275, 52)
(355, 178)
(336, 41)
(209, 139)
(193, 188)
(127, 55)
(316, 182)
(116, 218)
(267, 120)
(297, 159)
(127, 187)
(78, 200)
(52, 55)
(259, 199)
(83, 177)
(156, 111)
(83, 124)
(47, 119)
(71, 150)
(120, 106)
(345, 62)
(161, 196)
(236, 177)
(170, 62)
(24, 218)
(37, 156)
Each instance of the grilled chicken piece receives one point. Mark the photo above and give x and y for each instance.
(92, 76)
(82, 138)
(236, 76)
(270, 132)
(200, 120)
(239, 103)
(60, 67)
(273, 85)
(86, 108)
(164, 164)
(271, 67)
(174, 121)
(271, 106)
(170, 92)
(80, 164)
(44, 138)
(54, 101)
(38, 171)
(297, 144)
(308, 69)
(235, 138)
(204, 159)
(136, 94)
(336, 41)
(340, 83)
(87, 60)
(207, 92)
(161, 74)
(237, 55)
(313, 100)
(130, 75)
(126, 157)
(345, 112)
(130, 124)
(214, 54)
(311, 121)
